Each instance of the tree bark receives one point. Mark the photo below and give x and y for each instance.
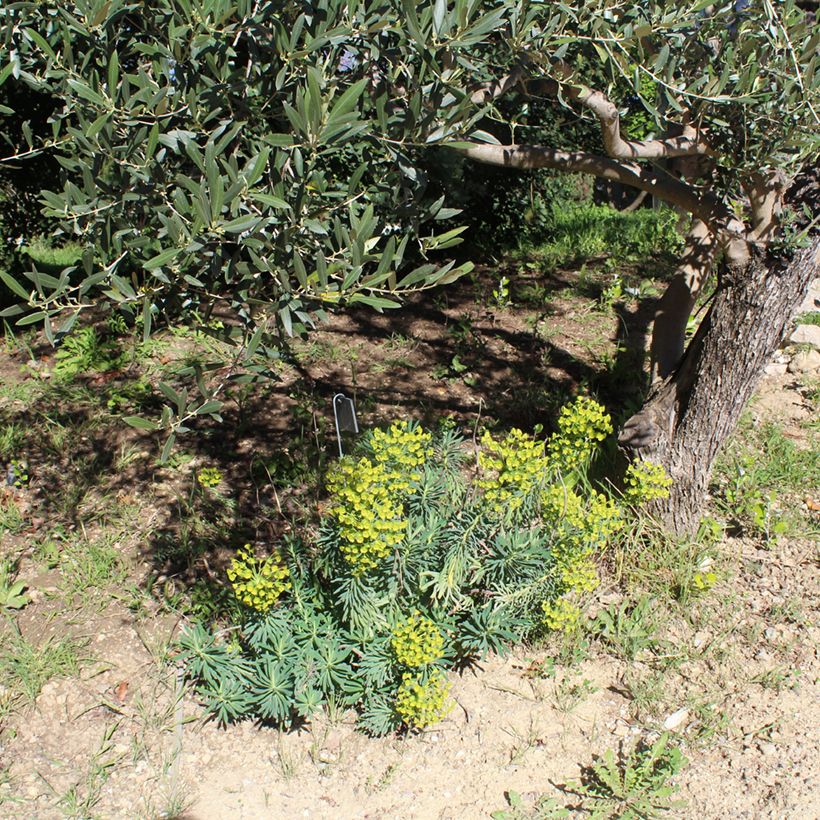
(689, 415)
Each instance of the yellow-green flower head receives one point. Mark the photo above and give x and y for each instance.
(645, 481)
(582, 425)
(403, 446)
(603, 520)
(417, 641)
(422, 702)
(511, 467)
(561, 615)
(370, 518)
(578, 573)
(209, 477)
(258, 582)
(561, 504)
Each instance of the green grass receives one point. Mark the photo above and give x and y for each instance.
(812, 318)
(762, 476)
(90, 567)
(25, 667)
(12, 437)
(11, 519)
(586, 231)
(46, 256)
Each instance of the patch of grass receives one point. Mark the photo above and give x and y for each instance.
(812, 318)
(647, 691)
(11, 519)
(42, 252)
(762, 476)
(648, 559)
(584, 231)
(25, 667)
(90, 567)
(778, 678)
(12, 439)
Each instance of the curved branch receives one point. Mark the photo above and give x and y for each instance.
(487, 92)
(688, 144)
(649, 178)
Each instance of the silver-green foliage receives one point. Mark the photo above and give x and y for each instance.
(478, 573)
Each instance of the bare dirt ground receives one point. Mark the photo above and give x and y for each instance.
(734, 674)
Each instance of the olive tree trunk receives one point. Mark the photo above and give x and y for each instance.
(689, 415)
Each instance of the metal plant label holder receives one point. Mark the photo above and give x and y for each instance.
(344, 412)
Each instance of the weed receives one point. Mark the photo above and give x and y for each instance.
(501, 294)
(541, 670)
(384, 780)
(628, 629)
(811, 318)
(82, 796)
(778, 678)
(634, 784)
(708, 721)
(12, 439)
(12, 591)
(761, 473)
(90, 566)
(26, 668)
(569, 694)
(11, 519)
(525, 740)
(289, 762)
(545, 808)
(84, 350)
(647, 692)
(397, 343)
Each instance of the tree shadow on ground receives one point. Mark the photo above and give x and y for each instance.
(453, 353)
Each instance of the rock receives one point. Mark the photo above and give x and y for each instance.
(776, 369)
(805, 361)
(326, 756)
(806, 335)
(770, 632)
(676, 719)
(767, 748)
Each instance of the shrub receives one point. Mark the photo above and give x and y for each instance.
(419, 562)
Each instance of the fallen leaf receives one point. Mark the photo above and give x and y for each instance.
(121, 690)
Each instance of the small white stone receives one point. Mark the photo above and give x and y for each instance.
(676, 719)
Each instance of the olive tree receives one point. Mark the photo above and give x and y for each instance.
(264, 156)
